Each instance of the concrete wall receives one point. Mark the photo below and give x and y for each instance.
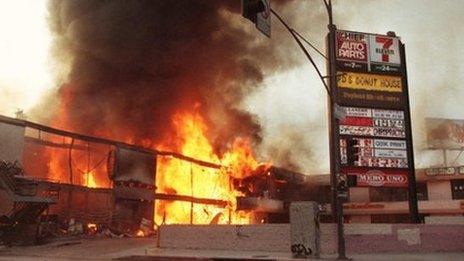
(360, 238)
(269, 237)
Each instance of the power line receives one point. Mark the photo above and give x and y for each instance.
(310, 44)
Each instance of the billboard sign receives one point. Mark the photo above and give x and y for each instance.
(445, 133)
(373, 140)
(371, 88)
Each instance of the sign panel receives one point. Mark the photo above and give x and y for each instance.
(358, 112)
(440, 171)
(388, 114)
(388, 123)
(370, 82)
(352, 51)
(445, 133)
(376, 153)
(384, 53)
(390, 144)
(385, 153)
(373, 122)
(378, 178)
(364, 52)
(369, 90)
(372, 131)
(381, 162)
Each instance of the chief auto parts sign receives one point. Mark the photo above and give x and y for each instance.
(352, 50)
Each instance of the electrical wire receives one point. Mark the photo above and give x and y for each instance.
(310, 44)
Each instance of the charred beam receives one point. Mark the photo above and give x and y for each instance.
(190, 159)
(88, 138)
(206, 201)
(54, 144)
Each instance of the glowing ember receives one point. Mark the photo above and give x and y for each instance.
(139, 233)
(92, 226)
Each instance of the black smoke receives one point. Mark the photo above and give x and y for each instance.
(135, 63)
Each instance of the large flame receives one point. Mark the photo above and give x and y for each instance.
(174, 176)
(85, 166)
(184, 178)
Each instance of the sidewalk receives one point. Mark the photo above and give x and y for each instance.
(145, 249)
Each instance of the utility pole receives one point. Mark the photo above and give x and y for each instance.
(334, 139)
(251, 9)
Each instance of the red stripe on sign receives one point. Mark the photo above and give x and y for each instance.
(357, 121)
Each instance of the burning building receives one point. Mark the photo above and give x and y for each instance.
(155, 75)
(110, 183)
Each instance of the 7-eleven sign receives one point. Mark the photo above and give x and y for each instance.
(384, 49)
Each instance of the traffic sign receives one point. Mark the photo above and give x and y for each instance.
(263, 19)
(259, 12)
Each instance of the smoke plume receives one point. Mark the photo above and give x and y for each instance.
(134, 64)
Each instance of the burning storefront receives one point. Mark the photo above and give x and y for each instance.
(121, 186)
(153, 74)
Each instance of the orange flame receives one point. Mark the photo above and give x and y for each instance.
(184, 178)
(89, 180)
(173, 176)
(86, 171)
(139, 233)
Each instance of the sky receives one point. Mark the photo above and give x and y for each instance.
(292, 102)
(24, 55)
(433, 34)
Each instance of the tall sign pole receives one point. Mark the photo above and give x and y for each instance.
(413, 208)
(334, 146)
